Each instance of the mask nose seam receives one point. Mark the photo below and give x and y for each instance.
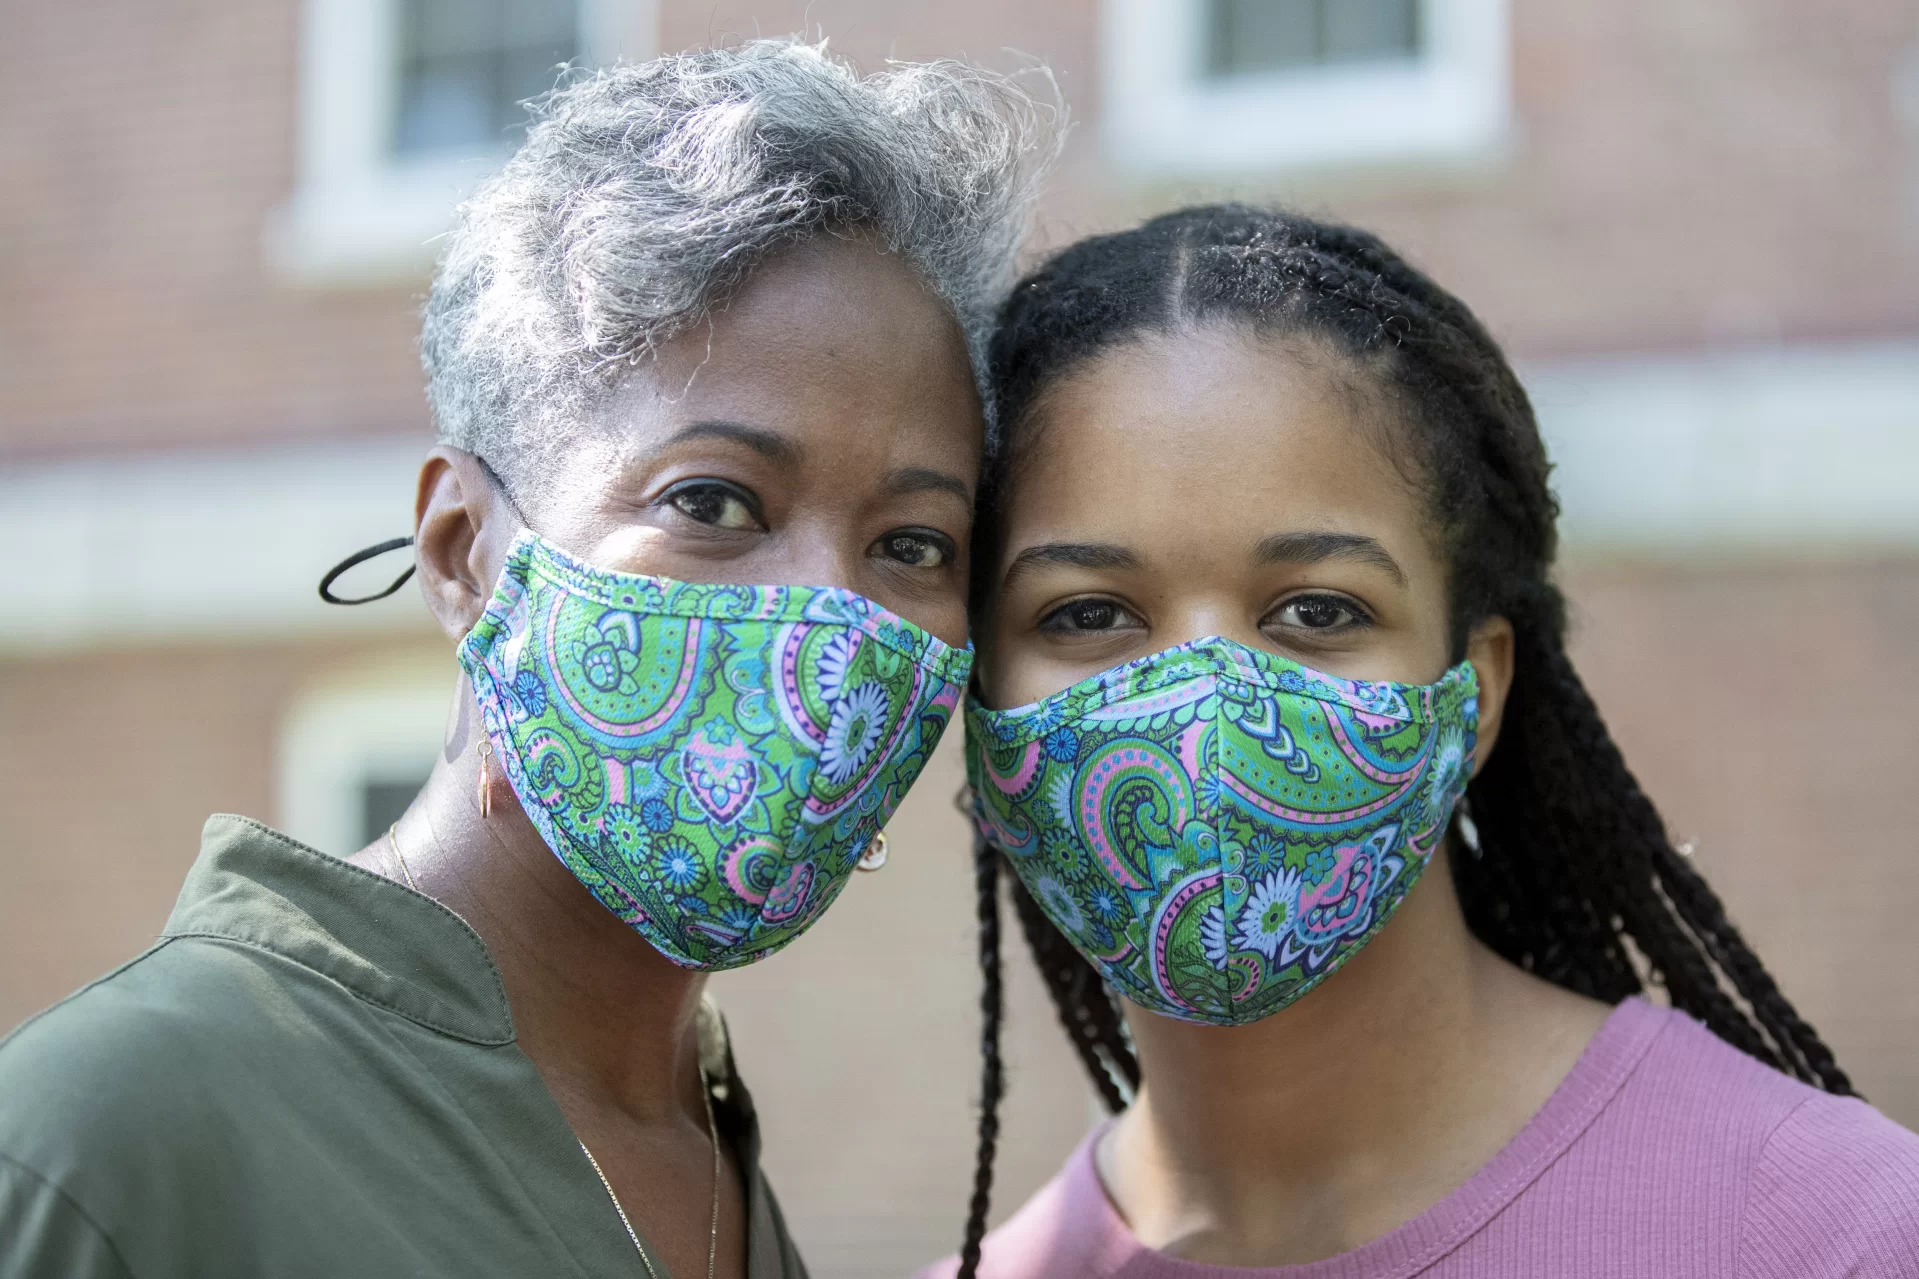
(1212, 803)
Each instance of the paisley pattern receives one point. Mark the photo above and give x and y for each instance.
(1216, 828)
(710, 761)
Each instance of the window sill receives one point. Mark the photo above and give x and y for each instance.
(1447, 108)
(1364, 118)
(376, 230)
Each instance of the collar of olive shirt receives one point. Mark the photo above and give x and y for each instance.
(402, 951)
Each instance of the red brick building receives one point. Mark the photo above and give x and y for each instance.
(1695, 222)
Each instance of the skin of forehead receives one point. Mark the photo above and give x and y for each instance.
(834, 343)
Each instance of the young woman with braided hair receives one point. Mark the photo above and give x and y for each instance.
(1272, 691)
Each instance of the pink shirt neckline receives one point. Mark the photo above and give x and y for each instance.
(1602, 1069)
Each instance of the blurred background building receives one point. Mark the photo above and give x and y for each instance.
(1695, 222)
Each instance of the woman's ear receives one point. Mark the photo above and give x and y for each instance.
(462, 529)
(1490, 649)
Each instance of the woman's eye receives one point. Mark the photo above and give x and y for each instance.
(719, 505)
(1320, 613)
(1087, 615)
(919, 549)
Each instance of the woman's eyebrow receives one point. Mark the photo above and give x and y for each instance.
(771, 445)
(921, 479)
(1072, 554)
(1311, 548)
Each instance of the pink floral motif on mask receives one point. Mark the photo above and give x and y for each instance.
(718, 770)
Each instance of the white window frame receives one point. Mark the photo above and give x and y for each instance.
(1163, 117)
(360, 214)
(382, 719)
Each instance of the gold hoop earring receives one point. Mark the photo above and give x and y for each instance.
(875, 855)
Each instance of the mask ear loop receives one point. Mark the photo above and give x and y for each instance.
(361, 557)
(394, 544)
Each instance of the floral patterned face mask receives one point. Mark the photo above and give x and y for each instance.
(710, 761)
(1217, 829)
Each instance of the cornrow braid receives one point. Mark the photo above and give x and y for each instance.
(1575, 877)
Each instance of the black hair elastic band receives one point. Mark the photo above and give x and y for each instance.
(361, 557)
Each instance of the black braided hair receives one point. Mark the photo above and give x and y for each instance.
(1575, 878)
(986, 865)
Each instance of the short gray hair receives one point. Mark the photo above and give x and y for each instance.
(644, 194)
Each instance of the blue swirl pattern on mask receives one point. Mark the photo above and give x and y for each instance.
(709, 760)
(1217, 828)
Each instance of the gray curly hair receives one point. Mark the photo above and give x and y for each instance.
(644, 194)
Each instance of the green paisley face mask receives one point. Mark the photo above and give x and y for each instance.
(1216, 828)
(710, 761)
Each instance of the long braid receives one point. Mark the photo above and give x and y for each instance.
(1575, 878)
(992, 1086)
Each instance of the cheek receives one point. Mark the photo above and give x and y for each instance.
(1012, 671)
(945, 618)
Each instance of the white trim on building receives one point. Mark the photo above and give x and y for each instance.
(1163, 117)
(1798, 450)
(1786, 451)
(204, 545)
(361, 215)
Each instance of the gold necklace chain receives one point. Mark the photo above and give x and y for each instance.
(713, 1235)
(393, 841)
(712, 1135)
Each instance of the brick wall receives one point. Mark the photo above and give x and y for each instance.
(144, 145)
(1680, 172)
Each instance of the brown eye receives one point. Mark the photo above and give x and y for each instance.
(719, 505)
(920, 549)
(1320, 613)
(1087, 615)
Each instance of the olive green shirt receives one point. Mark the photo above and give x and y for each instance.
(313, 1073)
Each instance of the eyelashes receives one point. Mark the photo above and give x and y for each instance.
(916, 548)
(716, 504)
(1320, 612)
(728, 508)
(1084, 616)
(1311, 616)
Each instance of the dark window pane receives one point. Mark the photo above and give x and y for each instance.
(381, 804)
(1253, 36)
(447, 102)
(1263, 35)
(536, 24)
(466, 65)
(1355, 30)
(436, 28)
(523, 74)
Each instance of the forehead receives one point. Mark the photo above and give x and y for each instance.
(836, 337)
(1212, 432)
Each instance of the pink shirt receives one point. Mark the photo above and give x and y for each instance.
(1665, 1154)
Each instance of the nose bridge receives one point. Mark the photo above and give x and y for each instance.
(1235, 697)
(1207, 762)
(820, 551)
(1206, 616)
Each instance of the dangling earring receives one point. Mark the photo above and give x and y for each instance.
(1467, 828)
(486, 776)
(875, 855)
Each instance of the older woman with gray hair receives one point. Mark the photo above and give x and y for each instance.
(700, 356)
